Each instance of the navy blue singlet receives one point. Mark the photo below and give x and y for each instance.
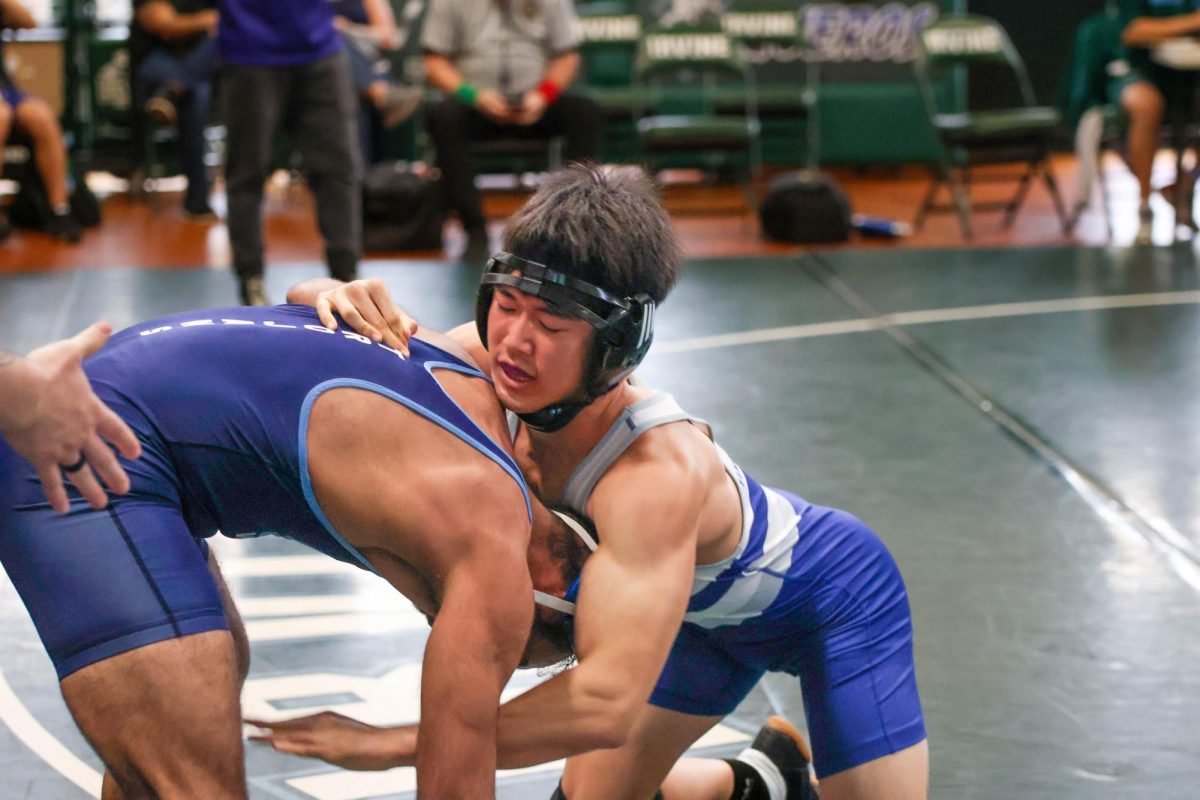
(220, 401)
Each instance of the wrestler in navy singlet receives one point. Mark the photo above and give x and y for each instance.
(809, 591)
(220, 401)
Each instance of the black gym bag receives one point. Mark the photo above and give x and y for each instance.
(402, 210)
(805, 207)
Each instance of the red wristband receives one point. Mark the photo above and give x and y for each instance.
(549, 91)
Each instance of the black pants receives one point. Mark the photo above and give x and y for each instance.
(317, 106)
(453, 125)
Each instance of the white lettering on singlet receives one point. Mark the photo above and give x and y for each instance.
(346, 335)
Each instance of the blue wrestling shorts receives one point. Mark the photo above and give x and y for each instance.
(100, 583)
(13, 96)
(841, 623)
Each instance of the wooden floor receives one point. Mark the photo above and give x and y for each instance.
(154, 233)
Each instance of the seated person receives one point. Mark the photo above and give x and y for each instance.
(173, 49)
(503, 68)
(259, 420)
(1144, 91)
(369, 31)
(34, 117)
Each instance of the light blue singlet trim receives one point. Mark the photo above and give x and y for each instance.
(339, 383)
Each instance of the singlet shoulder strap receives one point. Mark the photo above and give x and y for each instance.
(638, 418)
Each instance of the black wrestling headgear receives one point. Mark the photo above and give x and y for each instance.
(624, 327)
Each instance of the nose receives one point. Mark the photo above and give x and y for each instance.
(516, 333)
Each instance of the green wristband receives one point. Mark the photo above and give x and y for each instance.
(467, 93)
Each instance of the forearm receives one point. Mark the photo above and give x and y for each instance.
(565, 716)
(305, 294)
(460, 696)
(186, 26)
(561, 70)
(20, 388)
(1151, 31)
(441, 73)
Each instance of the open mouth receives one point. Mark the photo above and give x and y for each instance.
(514, 375)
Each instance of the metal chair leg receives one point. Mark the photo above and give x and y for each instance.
(935, 183)
(962, 199)
(1014, 205)
(1056, 196)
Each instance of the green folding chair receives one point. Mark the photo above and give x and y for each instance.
(684, 73)
(949, 52)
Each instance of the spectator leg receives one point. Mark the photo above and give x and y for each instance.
(325, 105)
(193, 116)
(255, 97)
(579, 121)
(1143, 102)
(452, 125)
(35, 117)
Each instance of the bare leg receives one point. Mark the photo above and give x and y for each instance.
(1144, 104)
(899, 776)
(637, 770)
(169, 721)
(699, 779)
(164, 718)
(6, 118)
(36, 119)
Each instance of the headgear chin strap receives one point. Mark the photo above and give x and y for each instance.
(566, 603)
(624, 328)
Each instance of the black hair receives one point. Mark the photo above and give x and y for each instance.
(604, 225)
(556, 629)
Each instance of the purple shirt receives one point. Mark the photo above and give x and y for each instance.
(276, 33)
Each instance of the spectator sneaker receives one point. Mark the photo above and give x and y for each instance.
(64, 228)
(253, 293)
(199, 212)
(1145, 231)
(161, 106)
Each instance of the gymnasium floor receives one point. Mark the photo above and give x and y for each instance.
(1021, 426)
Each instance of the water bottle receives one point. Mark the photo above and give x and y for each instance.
(880, 228)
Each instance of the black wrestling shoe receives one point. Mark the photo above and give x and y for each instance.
(785, 748)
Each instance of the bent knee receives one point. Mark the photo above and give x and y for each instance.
(37, 119)
(903, 775)
(1143, 101)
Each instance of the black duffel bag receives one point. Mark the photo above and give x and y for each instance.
(402, 209)
(805, 207)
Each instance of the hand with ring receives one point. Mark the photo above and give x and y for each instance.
(50, 416)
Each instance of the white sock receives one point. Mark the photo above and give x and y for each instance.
(765, 767)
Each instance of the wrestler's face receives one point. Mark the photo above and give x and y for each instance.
(538, 357)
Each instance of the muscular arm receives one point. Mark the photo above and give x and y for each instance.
(632, 600)
(1151, 31)
(14, 15)
(159, 18)
(475, 644)
(453, 537)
